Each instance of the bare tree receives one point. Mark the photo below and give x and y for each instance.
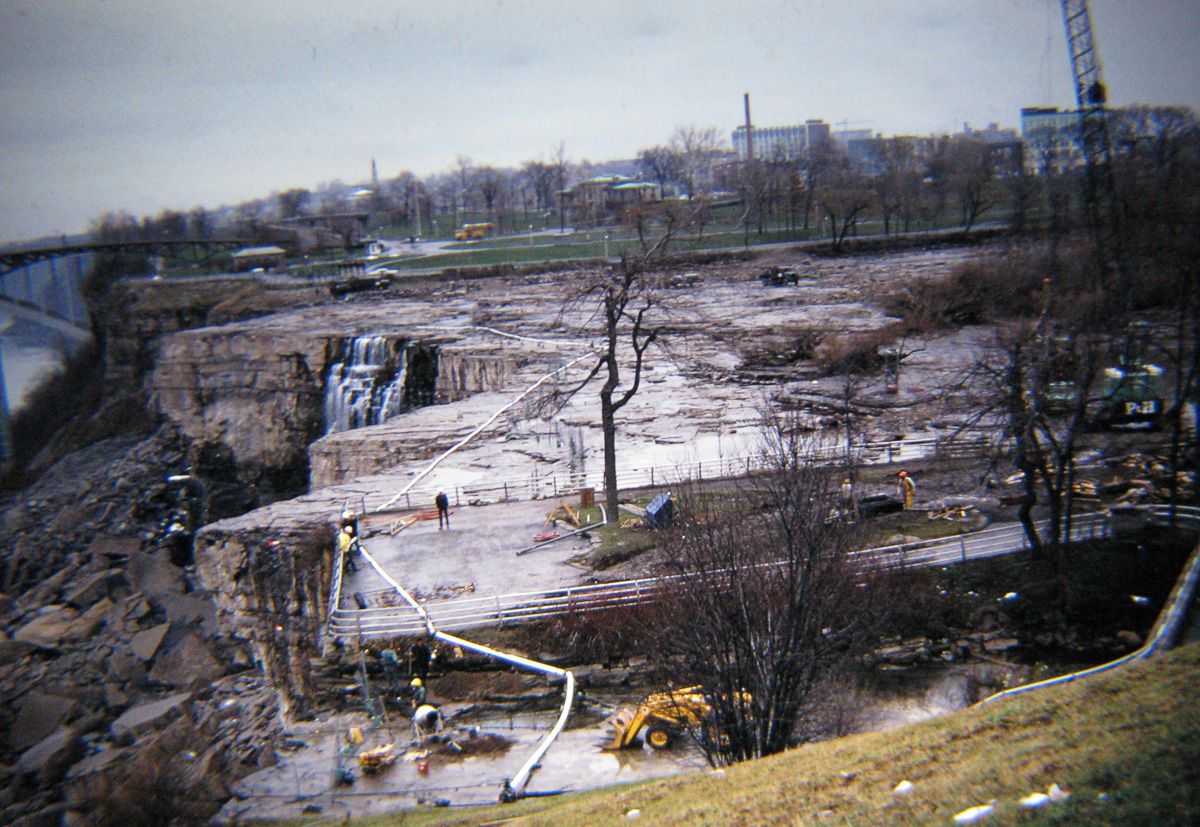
(843, 195)
(695, 147)
(1038, 380)
(624, 299)
(292, 203)
(662, 164)
(971, 171)
(768, 601)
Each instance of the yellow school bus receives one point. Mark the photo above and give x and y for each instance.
(472, 232)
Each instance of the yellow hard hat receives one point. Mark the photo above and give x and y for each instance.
(416, 682)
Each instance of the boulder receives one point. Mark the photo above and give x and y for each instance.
(147, 716)
(124, 667)
(94, 763)
(50, 757)
(91, 590)
(103, 583)
(12, 651)
(38, 715)
(146, 642)
(115, 548)
(188, 608)
(1000, 645)
(188, 663)
(1128, 639)
(50, 626)
(154, 574)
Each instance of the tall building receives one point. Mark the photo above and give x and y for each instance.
(1051, 138)
(781, 142)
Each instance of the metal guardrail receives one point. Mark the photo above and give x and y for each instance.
(1169, 619)
(465, 613)
(651, 476)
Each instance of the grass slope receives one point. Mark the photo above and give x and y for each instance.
(1126, 745)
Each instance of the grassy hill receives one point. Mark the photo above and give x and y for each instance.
(1126, 745)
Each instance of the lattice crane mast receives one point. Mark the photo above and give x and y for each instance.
(1091, 96)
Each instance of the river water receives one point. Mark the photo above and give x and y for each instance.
(29, 355)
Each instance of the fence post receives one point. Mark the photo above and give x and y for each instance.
(962, 541)
(651, 476)
(506, 492)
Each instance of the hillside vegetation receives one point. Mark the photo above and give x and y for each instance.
(1125, 745)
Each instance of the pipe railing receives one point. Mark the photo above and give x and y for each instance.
(464, 613)
(1169, 619)
(651, 476)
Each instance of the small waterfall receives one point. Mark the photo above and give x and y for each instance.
(366, 387)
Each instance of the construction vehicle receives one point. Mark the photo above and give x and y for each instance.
(664, 715)
(779, 277)
(1133, 395)
(473, 232)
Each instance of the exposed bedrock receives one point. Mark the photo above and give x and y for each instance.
(269, 586)
(251, 398)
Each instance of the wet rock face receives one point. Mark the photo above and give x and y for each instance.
(256, 396)
(270, 589)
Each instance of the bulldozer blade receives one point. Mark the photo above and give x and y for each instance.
(620, 723)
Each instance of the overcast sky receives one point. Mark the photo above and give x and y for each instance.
(142, 105)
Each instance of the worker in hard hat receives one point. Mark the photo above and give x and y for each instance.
(907, 489)
(348, 544)
(350, 520)
(426, 719)
(416, 688)
(846, 499)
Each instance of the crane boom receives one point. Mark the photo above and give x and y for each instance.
(1091, 95)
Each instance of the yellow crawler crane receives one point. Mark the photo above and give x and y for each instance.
(664, 715)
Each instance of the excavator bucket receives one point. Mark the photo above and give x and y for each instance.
(624, 727)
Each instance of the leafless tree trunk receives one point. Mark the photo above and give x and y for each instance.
(625, 307)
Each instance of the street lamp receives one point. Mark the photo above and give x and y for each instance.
(606, 245)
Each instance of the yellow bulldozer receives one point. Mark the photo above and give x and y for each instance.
(664, 716)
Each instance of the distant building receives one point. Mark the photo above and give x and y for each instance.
(602, 197)
(250, 258)
(1005, 147)
(846, 136)
(1051, 137)
(785, 143)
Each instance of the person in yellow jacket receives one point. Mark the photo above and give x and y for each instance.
(908, 489)
(348, 543)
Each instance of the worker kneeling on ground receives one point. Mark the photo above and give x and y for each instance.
(427, 720)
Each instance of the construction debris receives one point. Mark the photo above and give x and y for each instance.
(373, 760)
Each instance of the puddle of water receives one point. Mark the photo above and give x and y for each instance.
(306, 778)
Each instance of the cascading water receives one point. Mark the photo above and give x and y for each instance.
(366, 387)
